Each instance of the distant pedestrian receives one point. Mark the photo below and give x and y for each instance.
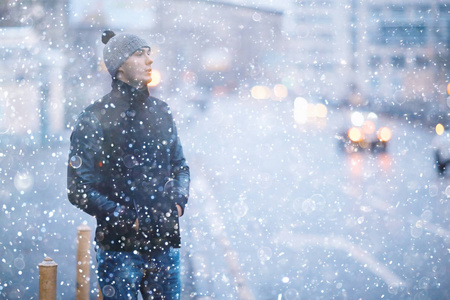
(127, 169)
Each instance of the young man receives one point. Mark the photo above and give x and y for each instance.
(127, 169)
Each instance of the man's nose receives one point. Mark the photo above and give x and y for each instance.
(148, 60)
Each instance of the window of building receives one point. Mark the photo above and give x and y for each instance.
(377, 12)
(325, 36)
(422, 61)
(305, 3)
(375, 82)
(444, 9)
(398, 61)
(398, 12)
(422, 12)
(402, 35)
(324, 66)
(374, 62)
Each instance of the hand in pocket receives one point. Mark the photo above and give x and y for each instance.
(136, 224)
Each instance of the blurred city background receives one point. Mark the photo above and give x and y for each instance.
(315, 132)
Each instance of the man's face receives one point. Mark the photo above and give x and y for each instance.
(137, 69)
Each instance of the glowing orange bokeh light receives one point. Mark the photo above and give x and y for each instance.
(355, 134)
(385, 162)
(368, 127)
(260, 92)
(280, 91)
(320, 110)
(356, 164)
(440, 129)
(156, 78)
(384, 134)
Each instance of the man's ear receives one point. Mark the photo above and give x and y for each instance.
(119, 73)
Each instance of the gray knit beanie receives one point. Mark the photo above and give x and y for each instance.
(118, 48)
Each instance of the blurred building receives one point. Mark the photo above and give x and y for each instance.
(200, 48)
(322, 48)
(402, 53)
(383, 54)
(19, 93)
(32, 61)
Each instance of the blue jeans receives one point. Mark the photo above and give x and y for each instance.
(123, 274)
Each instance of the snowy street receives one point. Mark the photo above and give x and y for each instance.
(276, 210)
(305, 220)
(317, 134)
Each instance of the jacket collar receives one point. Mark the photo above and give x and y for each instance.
(129, 94)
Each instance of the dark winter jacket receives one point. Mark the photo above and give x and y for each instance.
(126, 162)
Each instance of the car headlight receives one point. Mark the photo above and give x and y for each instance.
(355, 134)
(384, 134)
(440, 129)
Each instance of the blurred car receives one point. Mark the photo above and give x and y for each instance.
(363, 133)
(441, 148)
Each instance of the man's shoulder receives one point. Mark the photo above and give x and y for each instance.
(90, 112)
(156, 101)
(98, 106)
(95, 106)
(159, 105)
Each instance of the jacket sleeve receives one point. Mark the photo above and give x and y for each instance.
(83, 175)
(179, 172)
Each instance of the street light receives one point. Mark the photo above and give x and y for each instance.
(156, 78)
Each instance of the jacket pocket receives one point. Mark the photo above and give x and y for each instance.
(166, 220)
(117, 226)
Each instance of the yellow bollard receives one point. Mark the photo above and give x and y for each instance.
(47, 279)
(83, 257)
